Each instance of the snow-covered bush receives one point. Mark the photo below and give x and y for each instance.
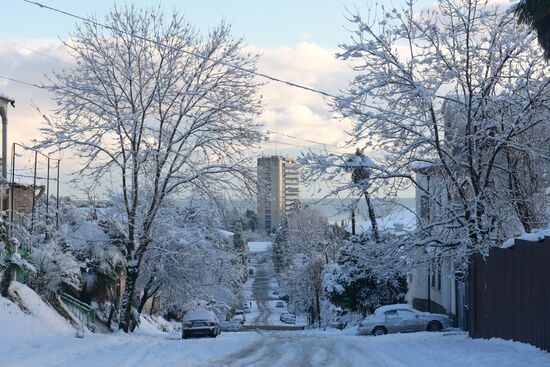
(353, 285)
(54, 267)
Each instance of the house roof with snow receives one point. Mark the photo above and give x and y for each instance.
(258, 246)
(398, 222)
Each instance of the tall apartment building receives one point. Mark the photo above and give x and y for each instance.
(278, 189)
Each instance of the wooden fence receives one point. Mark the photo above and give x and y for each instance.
(509, 293)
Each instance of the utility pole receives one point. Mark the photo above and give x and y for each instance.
(12, 188)
(34, 191)
(48, 193)
(353, 221)
(57, 197)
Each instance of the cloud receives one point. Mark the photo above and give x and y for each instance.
(288, 110)
(298, 112)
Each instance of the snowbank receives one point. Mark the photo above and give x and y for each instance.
(148, 326)
(41, 321)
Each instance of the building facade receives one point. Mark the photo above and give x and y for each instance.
(435, 287)
(278, 189)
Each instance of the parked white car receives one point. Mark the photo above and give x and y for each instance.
(239, 316)
(402, 318)
(231, 325)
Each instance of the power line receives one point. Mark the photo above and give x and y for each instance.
(268, 131)
(301, 146)
(22, 82)
(269, 77)
(236, 67)
(35, 51)
(298, 138)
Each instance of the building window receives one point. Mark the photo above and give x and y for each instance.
(433, 278)
(439, 277)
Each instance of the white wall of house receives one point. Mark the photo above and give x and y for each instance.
(433, 287)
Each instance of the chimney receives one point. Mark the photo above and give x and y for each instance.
(4, 101)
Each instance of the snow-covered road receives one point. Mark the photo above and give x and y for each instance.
(42, 338)
(286, 348)
(261, 291)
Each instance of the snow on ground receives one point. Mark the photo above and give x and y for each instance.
(41, 320)
(42, 338)
(307, 348)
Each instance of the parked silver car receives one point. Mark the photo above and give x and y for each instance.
(200, 323)
(288, 318)
(401, 318)
(340, 320)
(231, 325)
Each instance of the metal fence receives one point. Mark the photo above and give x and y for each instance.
(81, 310)
(509, 293)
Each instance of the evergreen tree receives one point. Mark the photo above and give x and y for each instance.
(280, 245)
(10, 260)
(239, 245)
(251, 220)
(239, 242)
(350, 284)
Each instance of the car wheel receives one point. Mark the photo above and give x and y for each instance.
(435, 326)
(379, 330)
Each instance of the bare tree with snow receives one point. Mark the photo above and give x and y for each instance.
(461, 90)
(154, 105)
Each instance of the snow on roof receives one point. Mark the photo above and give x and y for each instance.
(420, 166)
(535, 235)
(258, 246)
(225, 234)
(397, 222)
(5, 97)
(398, 306)
(354, 160)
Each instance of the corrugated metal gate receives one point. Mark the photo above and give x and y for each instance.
(509, 293)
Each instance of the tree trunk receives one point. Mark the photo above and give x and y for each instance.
(111, 315)
(132, 273)
(6, 280)
(372, 217)
(153, 302)
(318, 306)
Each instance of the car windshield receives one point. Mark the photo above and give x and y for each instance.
(199, 315)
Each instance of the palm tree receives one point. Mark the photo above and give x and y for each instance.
(536, 13)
